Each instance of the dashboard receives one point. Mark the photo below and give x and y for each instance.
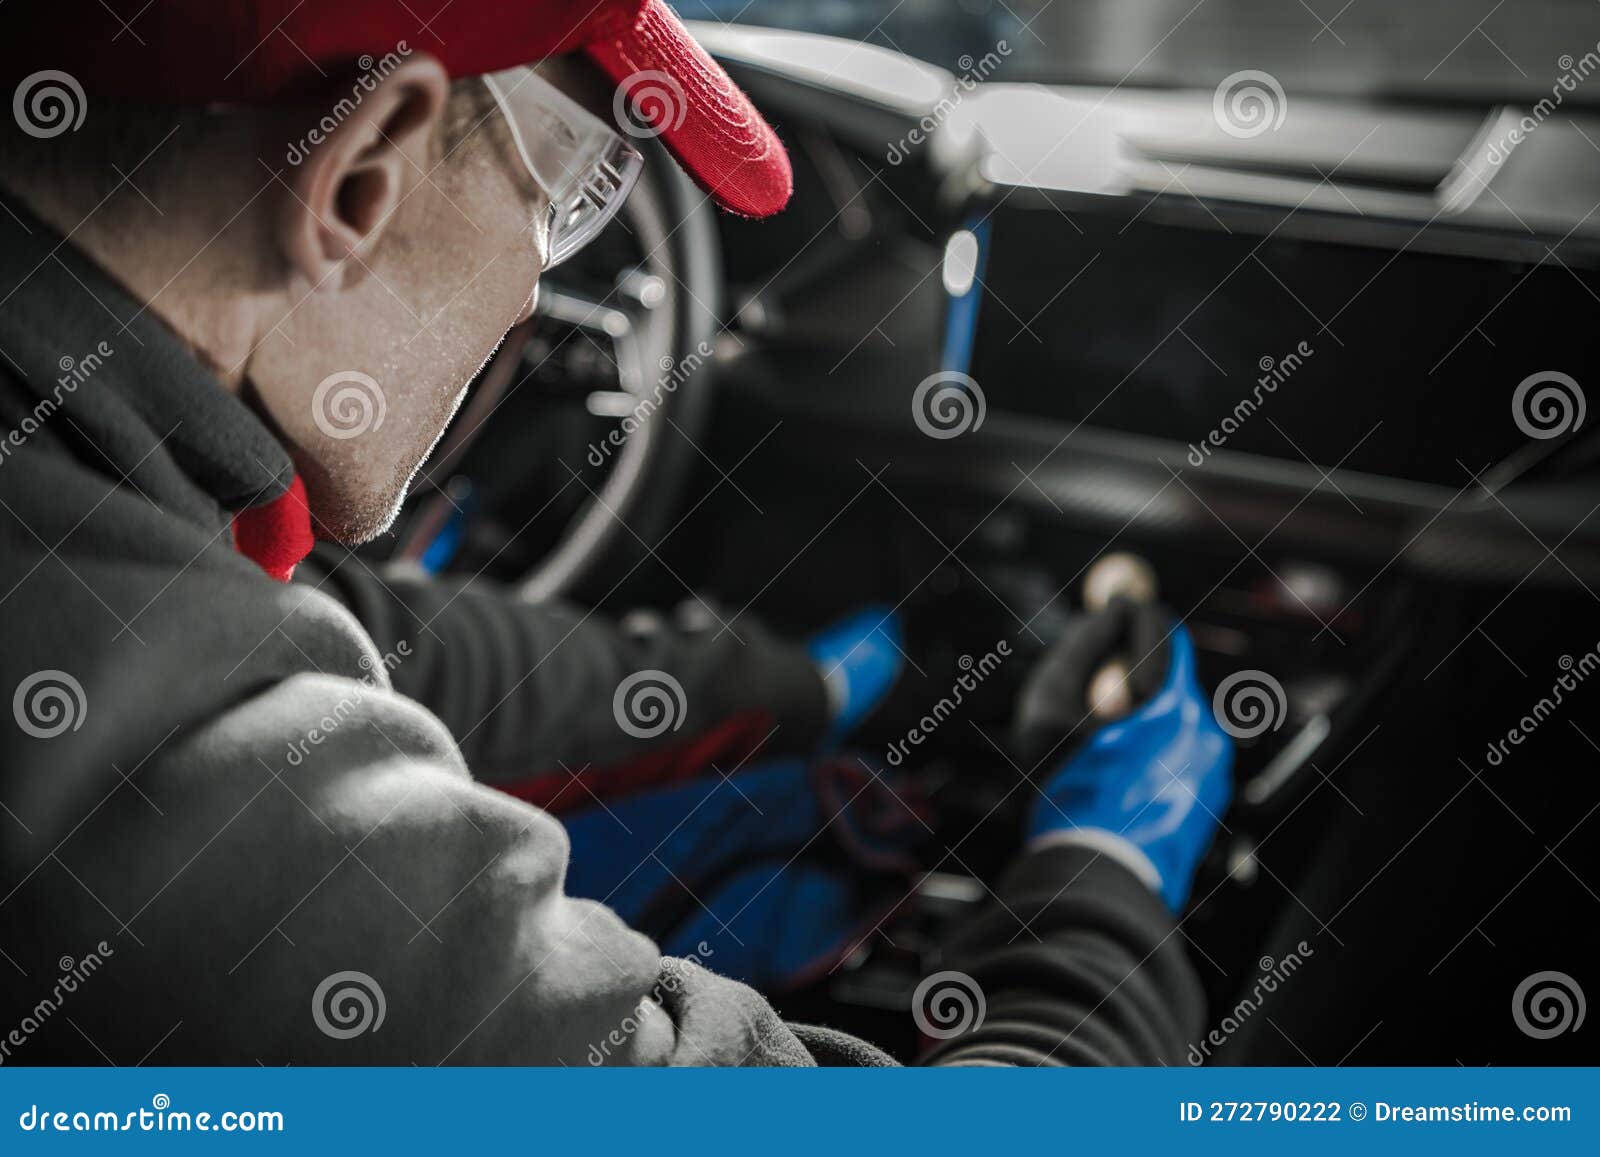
(1365, 331)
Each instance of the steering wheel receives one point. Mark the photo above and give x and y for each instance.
(656, 321)
(663, 314)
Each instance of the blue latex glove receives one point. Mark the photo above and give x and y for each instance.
(1159, 778)
(859, 658)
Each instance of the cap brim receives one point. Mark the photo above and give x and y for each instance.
(668, 87)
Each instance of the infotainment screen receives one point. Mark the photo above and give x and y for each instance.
(1386, 361)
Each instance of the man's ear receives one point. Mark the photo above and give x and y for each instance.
(354, 177)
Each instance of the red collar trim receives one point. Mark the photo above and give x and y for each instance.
(277, 535)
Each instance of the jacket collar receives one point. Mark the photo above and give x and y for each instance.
(135, 392)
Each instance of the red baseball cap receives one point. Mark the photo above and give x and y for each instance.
(272, 51)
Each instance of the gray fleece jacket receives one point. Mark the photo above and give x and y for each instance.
(231, 831)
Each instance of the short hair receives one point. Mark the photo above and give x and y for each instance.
(150, 144)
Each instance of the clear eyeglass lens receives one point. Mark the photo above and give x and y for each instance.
(581, 164)
(593, 201)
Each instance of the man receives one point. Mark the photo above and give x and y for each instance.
(247, 801)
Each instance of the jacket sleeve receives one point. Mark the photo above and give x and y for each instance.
(257, 852)
(533, 693)
(1077, 963)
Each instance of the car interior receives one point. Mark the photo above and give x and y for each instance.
(1323, 368)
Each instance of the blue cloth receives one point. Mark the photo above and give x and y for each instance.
(1160, 778)
(860, 659)
(777, 869)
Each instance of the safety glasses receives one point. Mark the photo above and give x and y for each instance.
(585, 168)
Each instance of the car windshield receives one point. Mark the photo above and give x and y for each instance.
(1437, 50)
